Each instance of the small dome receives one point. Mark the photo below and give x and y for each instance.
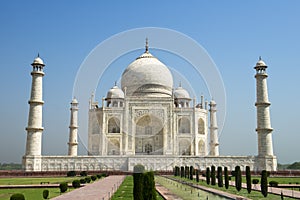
(212, 102)
(260, 63)
(74, 101)
(115, 92)
(38, 61)
(181, 93)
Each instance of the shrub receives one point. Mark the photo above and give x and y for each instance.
(226, 178)
(138, 182)
(191, 172)
(197, 175)
(82, 181)
(88, 179)
(76, 184)
(238, 178)
(273, 183)
(220, 177)
(182, 172)
(98, 176)
(83, 173)
(248, 179)
(255, 181)
(207, 176)
(187, 172)
(139, 168)
(45, 194)
(63, 187)
(213, 175)
(94, 178)
(264, 183)
(17, 196)
(149, 191)
(71, 173)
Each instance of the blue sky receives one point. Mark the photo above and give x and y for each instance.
(234, 33)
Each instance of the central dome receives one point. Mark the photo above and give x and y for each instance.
(147, 76)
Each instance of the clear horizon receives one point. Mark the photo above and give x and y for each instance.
(233, 33)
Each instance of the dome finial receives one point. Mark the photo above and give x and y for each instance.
(179, 83)
(260, 58)
(115, 83)
(38, 55)
(147, 46)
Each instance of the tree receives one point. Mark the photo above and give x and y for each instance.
(149, 191)
(76, 183)
(191, 172)
(45, 194)
(71, 173)
(226, 177)
(207, 176)
(213, 175)
(248, 179)
(264, 183)
(187, 172)
(94, 178)
(295, 165)
(138, 182)
(238, 178)
(182, 172)
(17, 196)
(83, 173)
(63, 187)
(197, 175)
(220, 177)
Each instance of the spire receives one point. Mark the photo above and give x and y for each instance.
(147, 46)
(38, 55)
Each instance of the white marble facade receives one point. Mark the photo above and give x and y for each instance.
(146, 121)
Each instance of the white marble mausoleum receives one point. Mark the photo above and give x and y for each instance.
(148, 121)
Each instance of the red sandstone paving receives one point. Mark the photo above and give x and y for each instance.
(102, 189)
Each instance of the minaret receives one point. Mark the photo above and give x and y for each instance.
(34, 128)
(73, 129)
(264, 130)
(214, 143)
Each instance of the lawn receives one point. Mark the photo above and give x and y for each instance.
(184, 191)
(253, 195)
(125, 191)
(280, 180)
(34, 193)
(32, 181)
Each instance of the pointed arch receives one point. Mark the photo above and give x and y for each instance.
(184, 125)
(113, 147)
(201, 129)
(201, 148)
(113, 125)
(184, 147)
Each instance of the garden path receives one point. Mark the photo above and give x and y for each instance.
(99, 190)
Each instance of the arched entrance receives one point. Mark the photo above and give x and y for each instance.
(149, 136)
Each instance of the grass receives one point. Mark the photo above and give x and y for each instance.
(184, 191)
(280, 180)
(34, 193)
(232, 190)
(33, 181)
(125, 190)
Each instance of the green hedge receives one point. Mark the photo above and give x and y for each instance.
(17, 196)
(63, 187)
(76, 184)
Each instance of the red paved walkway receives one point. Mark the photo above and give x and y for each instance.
(100, 190)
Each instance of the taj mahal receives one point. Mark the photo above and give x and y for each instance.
(148, 121)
